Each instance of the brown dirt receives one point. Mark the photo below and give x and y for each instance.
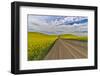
(67, 49)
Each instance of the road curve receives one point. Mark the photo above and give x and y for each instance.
(67, 49)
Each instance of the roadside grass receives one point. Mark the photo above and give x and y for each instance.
(39, 45)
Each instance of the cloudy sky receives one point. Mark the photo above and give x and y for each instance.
(58, 24)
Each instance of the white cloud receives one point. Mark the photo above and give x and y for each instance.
(39, 24)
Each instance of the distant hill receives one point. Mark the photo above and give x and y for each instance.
(68, 35)
(65, 36)
(41, 34)
(74, 37)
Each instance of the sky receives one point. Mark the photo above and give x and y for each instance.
(58, 24)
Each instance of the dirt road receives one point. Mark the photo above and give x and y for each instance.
(67, 49)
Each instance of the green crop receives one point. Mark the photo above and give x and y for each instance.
(39, 45)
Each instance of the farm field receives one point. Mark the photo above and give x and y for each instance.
(74, 37)
(39, 45)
